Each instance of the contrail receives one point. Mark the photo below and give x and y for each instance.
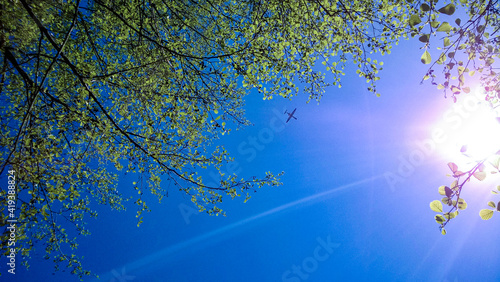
(147, 261)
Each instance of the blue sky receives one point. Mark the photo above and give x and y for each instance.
(336, 218)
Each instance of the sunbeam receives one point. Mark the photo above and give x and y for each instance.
(163, 255)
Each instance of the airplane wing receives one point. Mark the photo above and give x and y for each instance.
(289, 117)
(293, 111)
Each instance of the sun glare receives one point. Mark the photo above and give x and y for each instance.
(481, 135)
(472, 130)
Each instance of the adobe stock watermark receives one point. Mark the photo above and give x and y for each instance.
(12, 221)
(453, 119)
(265, 136)
(310, 264)
(248, 149)
(121, 276)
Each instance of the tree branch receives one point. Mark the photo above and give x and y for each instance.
(38, 88)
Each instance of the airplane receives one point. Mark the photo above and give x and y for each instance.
(290, 115)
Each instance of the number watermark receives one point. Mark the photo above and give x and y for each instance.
(11, 221)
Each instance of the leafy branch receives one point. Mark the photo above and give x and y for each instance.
(453, 192)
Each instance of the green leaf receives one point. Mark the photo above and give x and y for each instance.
(462, 204)
(424, 7)
(447, 201)
(414, 20)
(443, 231)
(480, 175)
(446, 42)
(485, 214)
(424, 38)
(436, 206)
(491, 204)
(445, 27)
(426, 58)
(439, 219)
(442, 59)
(450, 215)
(442, 190)
(448, 9)
(458, 21)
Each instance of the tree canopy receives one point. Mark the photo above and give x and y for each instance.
(92, 89)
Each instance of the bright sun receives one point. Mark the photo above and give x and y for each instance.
(472, 129)
(480, 135)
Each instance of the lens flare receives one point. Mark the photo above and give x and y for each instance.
(481, 135)
(472, 129)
